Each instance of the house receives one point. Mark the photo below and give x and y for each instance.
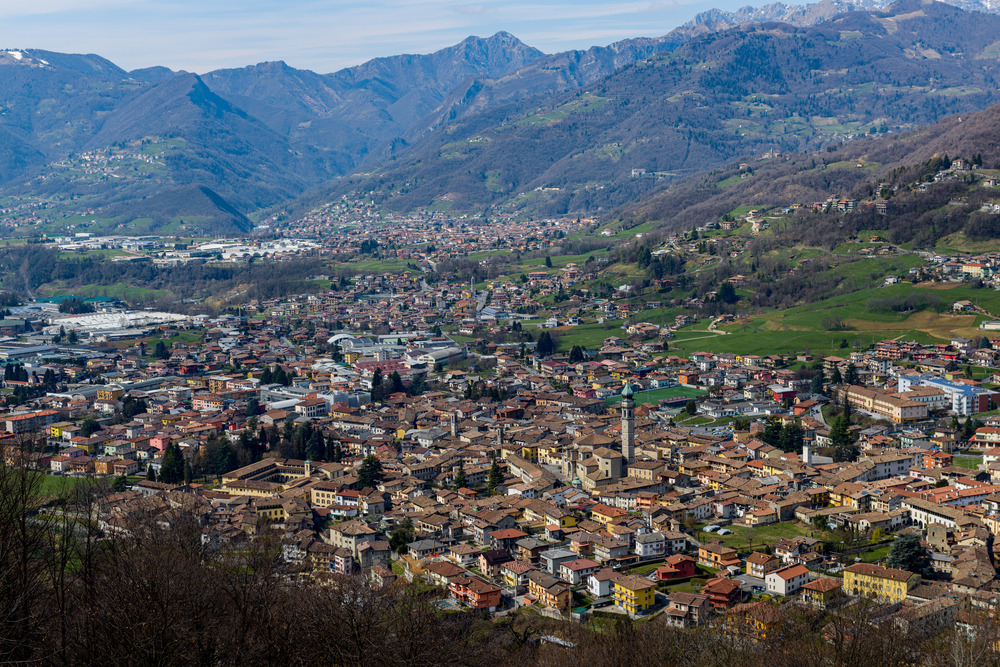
(475, 593)
(634, 594)
(678, 566)
(754, 620)
(506, 539)
(529, 549)
(715, 555)
(463, 554)
(687, 609)
(821, 592)
(441, 573)
(722, 593)
(760, 564)
(551, 559)
(600, 583)
(490, 562)
(576, 571)
(675, 542)
(515, 573)
(786, 580)
(789, 549)
(879, 583)
(423, 548)
(650, 545)
(549, 591)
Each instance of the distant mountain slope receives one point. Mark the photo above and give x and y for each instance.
(356, 109)
(898, 170)
(742, 91)
(489, 121)
(80, 130)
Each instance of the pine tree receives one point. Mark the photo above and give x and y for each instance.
(187, 472)
(172, 467)
(842, 441)
(396, 382)
(150, 474)
(836, 378)
(370, 472)
(460, 475)
(495, 477)
(907, 554)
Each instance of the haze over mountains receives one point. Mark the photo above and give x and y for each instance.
(483, 123)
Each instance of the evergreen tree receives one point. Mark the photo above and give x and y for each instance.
(851, 377)
(118, 484)
(907, 554)
(160, 350)
(377, 390)
(460, 475)
(172, 467)
(842, 440)
(816, 384)
(150, 473)
(546, 345)
(89, 426)
(370, 472)
(333, 449)
(495, 478)
(790, 438)
(727, 293)
(73, 338)
(836, 378)
(772, 431)
(401, 535)
(396, 382)
(315, 447)
(187, 472)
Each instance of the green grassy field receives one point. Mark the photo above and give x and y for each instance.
(588, 335)
(744, 537)
(53, 485)
(971, 462)
(804, 328)
(657, 395)
(875, 555)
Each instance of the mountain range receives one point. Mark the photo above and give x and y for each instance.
(487, 122)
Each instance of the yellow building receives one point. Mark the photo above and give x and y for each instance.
(56, 430)
(111, 392)
(754, 620)
(635, 594)
(878, 583)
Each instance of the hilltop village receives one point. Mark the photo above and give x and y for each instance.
(618, 478)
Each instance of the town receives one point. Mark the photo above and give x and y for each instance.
(413, 428)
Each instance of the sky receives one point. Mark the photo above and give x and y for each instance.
(322, 35)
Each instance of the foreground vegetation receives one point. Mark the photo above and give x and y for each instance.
(72, 594)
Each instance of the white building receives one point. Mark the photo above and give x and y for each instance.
(787, 580)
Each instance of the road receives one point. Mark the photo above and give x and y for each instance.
(817, 414)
